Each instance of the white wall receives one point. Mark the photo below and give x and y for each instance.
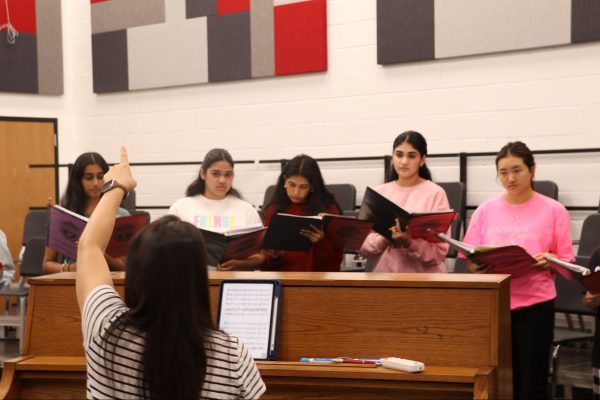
(549, 98)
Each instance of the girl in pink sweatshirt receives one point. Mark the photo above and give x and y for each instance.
(540, 225)
(410, 187)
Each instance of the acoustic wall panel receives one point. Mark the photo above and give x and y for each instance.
(468, 27)
(18, 65)
(242, 39)
(175, 10)
(300, 37)
(109, 60)
(201, 8)
(49, 45)
(585, 20)
(32, 61)
(22, 15)
(465, 27)
(155, 58)
(405, 31)
(262, 38)
(229, 47)
(232, 6)
(115, 15)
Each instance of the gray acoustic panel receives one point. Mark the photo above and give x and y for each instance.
(262, 38)
(109, 59)
(229, 47)
(49, 46)
(585, 20)
(405, 30)
(201, 8)
(170, 54)
(175, 10)
(465, 27)
(122, 14)
(18, 64)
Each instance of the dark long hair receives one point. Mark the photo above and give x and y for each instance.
(166, 291)
(198, 186)
(74, 198)
(319, 197)
(416, 140)
(519, 150)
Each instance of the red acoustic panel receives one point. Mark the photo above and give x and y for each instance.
(232, 6)
(22, 15)
(301, 37)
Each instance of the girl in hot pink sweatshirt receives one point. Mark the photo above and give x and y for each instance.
(411, 188)
(540, 225)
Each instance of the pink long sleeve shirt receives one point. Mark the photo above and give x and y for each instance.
(420, 256)
(539, 225)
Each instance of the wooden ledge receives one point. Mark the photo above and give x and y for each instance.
(312, 370)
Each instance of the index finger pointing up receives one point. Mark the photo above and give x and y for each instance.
(124, 157)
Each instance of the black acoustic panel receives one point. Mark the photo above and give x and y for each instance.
(18, 64)
(200, 8)
(229, 47)
(585, 20)
(109, 58)
(405, 31)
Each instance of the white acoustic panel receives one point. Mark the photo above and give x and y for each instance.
(466, 27)
(170, 54)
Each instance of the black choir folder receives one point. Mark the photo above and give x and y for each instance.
(249, 310)
(66, 227)
(384, 212)
(237, 243)
(346, 232)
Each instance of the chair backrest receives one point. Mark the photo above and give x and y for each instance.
(457, 197)
(345, 195)
(33, 257)
(129, 202)
(35, 225)
(268, 194)
(568, 297)
(547, 188)
(590, 235)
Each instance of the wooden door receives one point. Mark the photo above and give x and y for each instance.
(27, 172)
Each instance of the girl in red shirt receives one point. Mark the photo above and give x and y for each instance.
(300, 190)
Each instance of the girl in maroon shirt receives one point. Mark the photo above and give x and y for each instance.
(301, 190)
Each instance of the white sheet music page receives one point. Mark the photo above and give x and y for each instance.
(245, 312)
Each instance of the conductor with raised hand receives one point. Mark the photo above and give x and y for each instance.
(161, 342)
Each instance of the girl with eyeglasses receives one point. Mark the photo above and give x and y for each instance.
(212, 203)
(540, 225)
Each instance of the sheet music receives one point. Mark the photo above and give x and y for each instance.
(245, 312)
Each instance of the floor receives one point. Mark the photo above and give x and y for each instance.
(575, 373)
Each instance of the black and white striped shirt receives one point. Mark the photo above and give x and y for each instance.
(114, 370)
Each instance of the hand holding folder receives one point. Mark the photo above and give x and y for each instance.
(384, 213)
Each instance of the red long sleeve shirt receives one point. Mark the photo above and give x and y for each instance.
(323, 256)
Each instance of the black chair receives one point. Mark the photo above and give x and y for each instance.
(589, 239)
(345, 195)
(547, 188)
(129, 202)
(568, 300)
(31, 265)
(35, 225)
(457, 197)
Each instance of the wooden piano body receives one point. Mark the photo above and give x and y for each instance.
(458, 325)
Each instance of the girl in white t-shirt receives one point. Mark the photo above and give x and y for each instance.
(213, 204)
